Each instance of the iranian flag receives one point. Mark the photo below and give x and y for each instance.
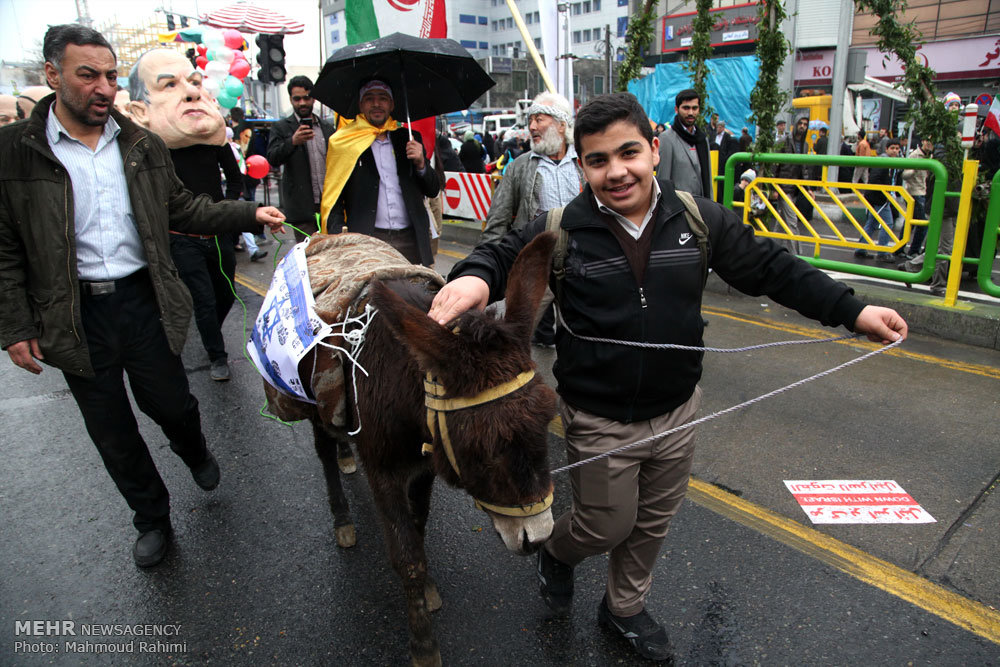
(993, 116)
(371, 19)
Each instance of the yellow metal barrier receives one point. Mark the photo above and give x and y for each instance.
(778, 228)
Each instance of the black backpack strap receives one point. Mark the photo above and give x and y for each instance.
(552, 224)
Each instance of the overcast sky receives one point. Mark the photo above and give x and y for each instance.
(23, 22)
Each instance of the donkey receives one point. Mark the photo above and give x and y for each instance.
(471, 393)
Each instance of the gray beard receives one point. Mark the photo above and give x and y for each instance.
(551, 143)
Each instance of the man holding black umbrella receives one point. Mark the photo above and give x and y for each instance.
(376, 149)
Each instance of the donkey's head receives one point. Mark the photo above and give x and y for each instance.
(487, 413)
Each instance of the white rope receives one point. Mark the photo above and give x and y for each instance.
(729, 409)
(355, 340)
(694, 348)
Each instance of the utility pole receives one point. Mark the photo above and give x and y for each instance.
(607, 54)
(83, 14)
(844, 28)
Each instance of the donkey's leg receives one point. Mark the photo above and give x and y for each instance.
(326, 448)
(406, 554)
(345, 457)
(420, 505)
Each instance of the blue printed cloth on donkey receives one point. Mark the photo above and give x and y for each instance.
(340, 267)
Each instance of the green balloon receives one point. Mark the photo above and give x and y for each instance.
(233, 86)
(210, 54)
(226, 101)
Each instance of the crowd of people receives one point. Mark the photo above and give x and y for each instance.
(115, 228)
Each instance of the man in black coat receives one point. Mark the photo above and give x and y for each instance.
(384, 195)
(299, 143)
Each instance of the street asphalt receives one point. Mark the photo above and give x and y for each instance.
(254, 575)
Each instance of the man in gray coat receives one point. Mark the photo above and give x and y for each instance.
(684, 148)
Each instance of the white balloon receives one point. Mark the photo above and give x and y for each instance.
(216, 69)
(224, 55)
(213, 38)
(211, 86)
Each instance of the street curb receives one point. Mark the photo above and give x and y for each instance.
(466, 232)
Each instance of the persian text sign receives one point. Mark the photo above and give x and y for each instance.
(857, 501)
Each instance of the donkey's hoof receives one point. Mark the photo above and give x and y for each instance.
(432, 660)
(431, 596)
(345, 536)
(347, 465)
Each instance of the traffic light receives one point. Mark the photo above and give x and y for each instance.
(184, 21)
(263, 58)
(192, 55)
(170, 22)
(276, 56)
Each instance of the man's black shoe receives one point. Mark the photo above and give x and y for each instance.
(555, 582)
(151, 547)
(206, 474)
(646, 636)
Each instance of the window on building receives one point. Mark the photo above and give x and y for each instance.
(622, 25)
(598, 85)
(537, 18)
(623, 3)
(576, 36)
(586, 35)
(494, 3)
(529, 19)
(335, 37)
(483, 20)
(467, 18)
(334, 18)
(597, 5)
(577, 9)
(538, 42)
(586, 6)
(510, 22)
(468, 43)
(519, 81)
(484, 45)
(496, 50)
(494, 26)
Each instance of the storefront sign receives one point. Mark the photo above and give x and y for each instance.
(733, 25)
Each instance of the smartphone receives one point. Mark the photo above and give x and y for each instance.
(308, 122)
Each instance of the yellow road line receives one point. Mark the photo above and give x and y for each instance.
(968, 614)
(811, 332)
(251, 284)
(452, 253)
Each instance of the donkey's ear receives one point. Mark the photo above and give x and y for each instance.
(527, 282)
(430, 343)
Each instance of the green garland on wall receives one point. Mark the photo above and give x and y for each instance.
(698, 55)
(767, 98)
(928, 114)
(638, 35)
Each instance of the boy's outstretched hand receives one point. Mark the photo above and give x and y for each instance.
(881, 325)
(458, 296)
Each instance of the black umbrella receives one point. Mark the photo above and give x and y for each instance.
(428, 77)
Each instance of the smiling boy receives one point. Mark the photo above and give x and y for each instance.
(633, 273)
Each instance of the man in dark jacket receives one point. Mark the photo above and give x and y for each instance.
(883, 219)
(380, 190)
(684, 148)
(795, 144)
(633, 273)
(87, 199)
(298, 143)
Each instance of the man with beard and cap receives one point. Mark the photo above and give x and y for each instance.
(87, 198)
(795, 144)
(377, 178)
(167, 98)
(546, 177)
(684, 149)
(298, 145)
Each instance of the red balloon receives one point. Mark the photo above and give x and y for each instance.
(257, 166)
(202, 49)
(240, 68)
(201, 61)
(234, 39)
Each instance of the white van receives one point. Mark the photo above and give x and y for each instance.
(497, 123)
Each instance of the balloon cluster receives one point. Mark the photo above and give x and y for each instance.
(223, 65)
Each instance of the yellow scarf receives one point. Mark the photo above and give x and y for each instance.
(342, 152)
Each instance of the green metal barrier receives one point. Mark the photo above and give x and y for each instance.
(988, 255)
(934, 218)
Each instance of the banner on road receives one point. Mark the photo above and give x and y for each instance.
(857, 501)
(467, 195)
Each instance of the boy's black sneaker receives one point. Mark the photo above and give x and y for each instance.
(555, 582)
(646, 636)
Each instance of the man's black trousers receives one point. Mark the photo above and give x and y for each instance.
(208, 270)
(124, 335)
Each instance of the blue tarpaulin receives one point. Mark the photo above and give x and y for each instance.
(728, 85)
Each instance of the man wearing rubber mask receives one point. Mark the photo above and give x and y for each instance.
(375, 148)
(168, 99)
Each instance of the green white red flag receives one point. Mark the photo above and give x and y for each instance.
(993, 116)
